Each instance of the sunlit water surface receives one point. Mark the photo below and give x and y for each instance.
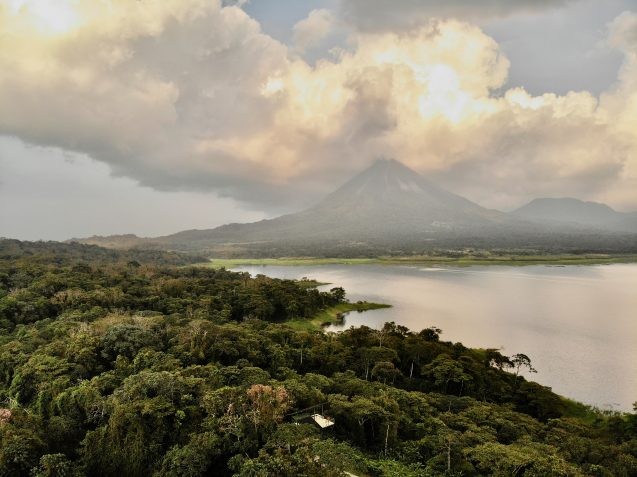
(578, 324)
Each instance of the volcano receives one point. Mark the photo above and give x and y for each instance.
(386, 202)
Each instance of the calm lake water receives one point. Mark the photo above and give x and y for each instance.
(578, 324)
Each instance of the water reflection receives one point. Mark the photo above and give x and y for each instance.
(577, 323)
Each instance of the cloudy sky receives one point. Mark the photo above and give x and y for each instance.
(153, 116)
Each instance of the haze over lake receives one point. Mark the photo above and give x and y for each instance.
(578, 324)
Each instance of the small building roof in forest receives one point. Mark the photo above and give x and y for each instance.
(322, 421)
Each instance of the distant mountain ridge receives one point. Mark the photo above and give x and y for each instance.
(569, 210)
(388, 204)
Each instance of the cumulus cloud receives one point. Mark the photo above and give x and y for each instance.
(375, 15)
(140, 85)
(312, 30)
(620, 107)
(189, 94)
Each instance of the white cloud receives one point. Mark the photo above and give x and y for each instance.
(623, 32)
(310, 31)
(427, 98)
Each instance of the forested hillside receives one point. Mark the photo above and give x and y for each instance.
(135, 369)
(58, 253)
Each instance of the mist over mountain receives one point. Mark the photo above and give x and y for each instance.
(575, 211)
(391, 207)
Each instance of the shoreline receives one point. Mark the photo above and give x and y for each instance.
(332, 315)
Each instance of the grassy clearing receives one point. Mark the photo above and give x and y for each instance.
(465, 260)
(236, 262)
(334, 314)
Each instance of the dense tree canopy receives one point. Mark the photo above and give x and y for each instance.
(134, 369)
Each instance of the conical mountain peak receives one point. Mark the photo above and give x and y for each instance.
(389, 166)
(387, 182)
(386, 162)
(382, 176)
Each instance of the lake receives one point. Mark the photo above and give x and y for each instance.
(578, 324)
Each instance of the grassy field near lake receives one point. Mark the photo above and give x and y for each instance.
(464, 260)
